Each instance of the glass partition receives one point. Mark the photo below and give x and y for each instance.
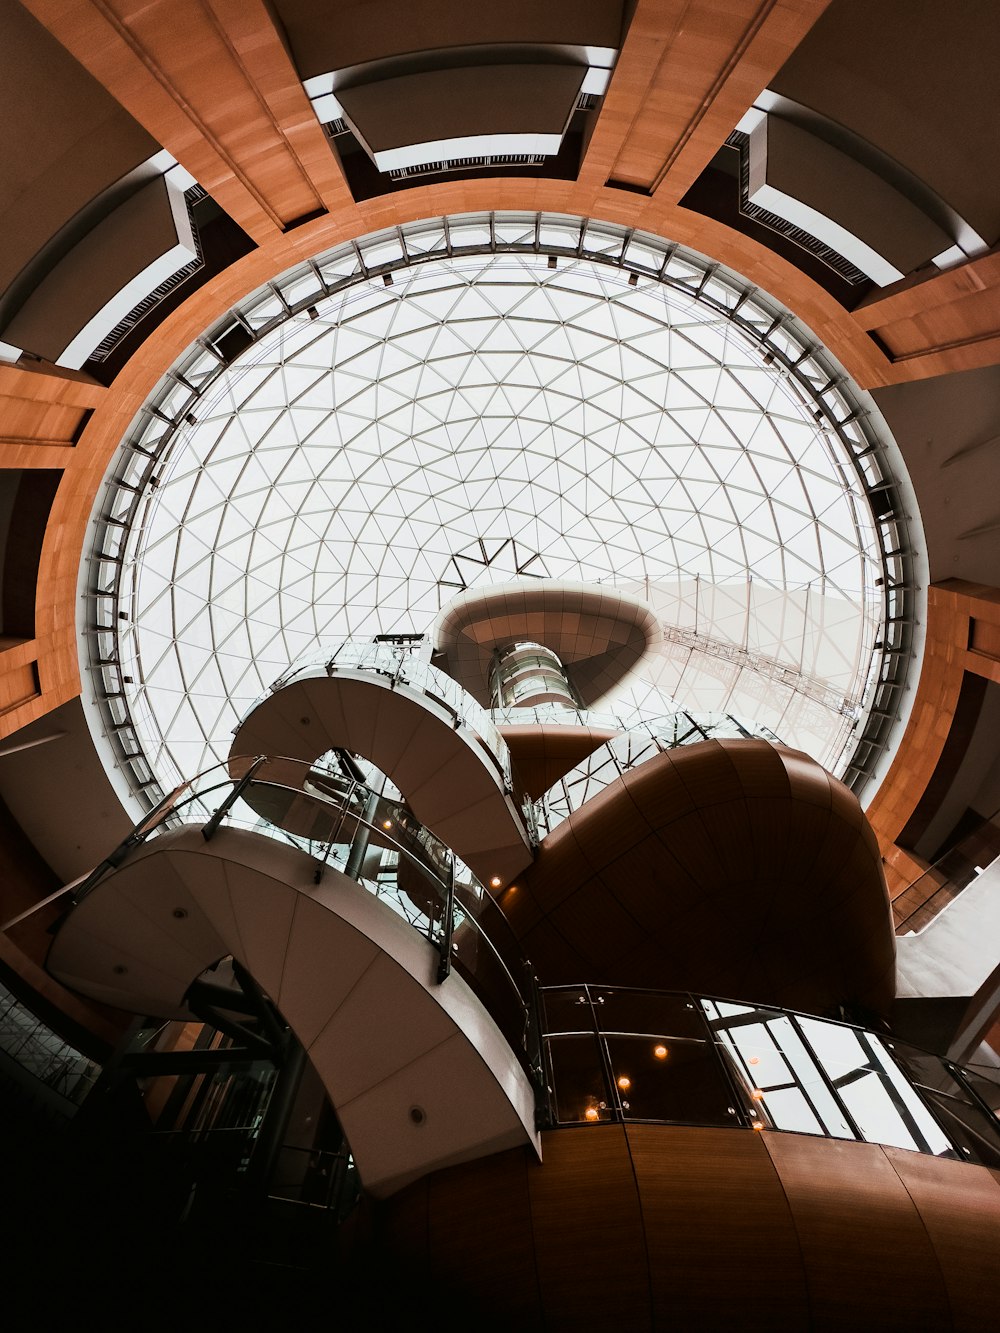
(375, 840)
(631, 748)
(402, 665)
(42, 1053)
(624, 1055)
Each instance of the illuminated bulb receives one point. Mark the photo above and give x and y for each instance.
(757, 1124)
(755, 1059)
(495, 882)
(624, 1082)
(757, 1095)
(591, 1113)
(387, 823)
(660, 1052)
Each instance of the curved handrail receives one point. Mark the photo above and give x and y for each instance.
(376, 841)
(611, 1051)
(401, 667)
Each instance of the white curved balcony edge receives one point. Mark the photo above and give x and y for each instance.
(446, 774)
(354, 982)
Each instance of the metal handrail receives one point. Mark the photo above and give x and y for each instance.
(345, 807)
(949, 890)
(984, 1125)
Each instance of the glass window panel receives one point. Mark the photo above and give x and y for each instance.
(567, 1010)
(882, 1105)
(667, 1078)
(768, 1055)
(789, 1109)
(579, 1089)
(952, 1100)
(986, 1083)
(647, 1012)
(974, 1137)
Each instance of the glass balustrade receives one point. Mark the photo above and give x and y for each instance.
(630, 749)
(402, 666)
(42, 1053)
(672, 1057)
(374, 839)
(951, 874)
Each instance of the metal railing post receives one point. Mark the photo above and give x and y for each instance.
(444, 966)
(209, 830)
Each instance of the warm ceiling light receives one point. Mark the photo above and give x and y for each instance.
(660, 1052)
(591, 1113)
(757, 1095)
(387, 823)
(495, 882)
(624, 1082)
(755, 1059)
(756, 1124)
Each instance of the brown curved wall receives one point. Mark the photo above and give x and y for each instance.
(731, 867)
(545, 752)
(666, 1227)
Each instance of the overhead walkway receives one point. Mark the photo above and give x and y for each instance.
(351, 926)
(430, 738)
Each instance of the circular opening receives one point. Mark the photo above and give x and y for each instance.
(635, 416)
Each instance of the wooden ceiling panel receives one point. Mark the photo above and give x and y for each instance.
(217, 89)
(702, 65)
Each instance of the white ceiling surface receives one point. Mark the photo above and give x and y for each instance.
(353, 980)
(626, 435)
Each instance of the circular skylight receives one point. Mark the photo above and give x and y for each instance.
(497, 399)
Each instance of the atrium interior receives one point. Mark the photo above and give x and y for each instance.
(500, 662)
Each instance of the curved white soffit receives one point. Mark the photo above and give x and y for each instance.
(445, 774)
(353, 981)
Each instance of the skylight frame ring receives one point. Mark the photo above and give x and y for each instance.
(767, 328)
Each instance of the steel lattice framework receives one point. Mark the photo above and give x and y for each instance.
(570, 398)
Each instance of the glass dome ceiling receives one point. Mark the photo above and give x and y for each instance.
(484, 399)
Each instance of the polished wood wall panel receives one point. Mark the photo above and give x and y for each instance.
(864, 1246)
(940, 324)
(180, 73)
(718, 59)
(486, 1229)
(730, 867)
(44, 408)
(952, 608)
(588, 1233)
(545, 752)
(18, 685)
(959, 1205)
(694, 1185)
(669, 1227)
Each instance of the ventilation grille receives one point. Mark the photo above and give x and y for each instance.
(467, 164)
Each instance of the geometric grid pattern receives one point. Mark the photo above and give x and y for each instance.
(622, 753)
(626, 433)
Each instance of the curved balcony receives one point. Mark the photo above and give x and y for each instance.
(671, 1057)
(436, 744)
(625, 752)
(350, 915)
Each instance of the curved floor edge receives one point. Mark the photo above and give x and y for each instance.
(418, 1073)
